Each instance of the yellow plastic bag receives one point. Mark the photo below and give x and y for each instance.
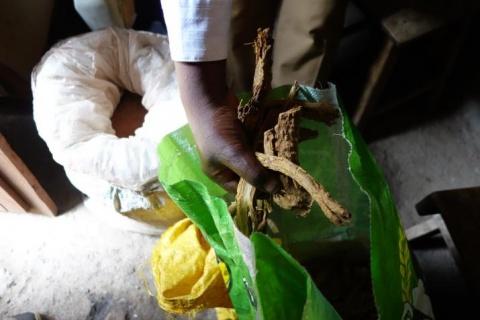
(226, 314)
(187, 276)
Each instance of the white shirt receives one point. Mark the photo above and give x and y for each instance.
(197, 29)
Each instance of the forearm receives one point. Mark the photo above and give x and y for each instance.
(198, 32)
(203, 91)
(202, 85)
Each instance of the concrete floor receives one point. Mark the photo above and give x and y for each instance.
(73, 267)
(438, 155)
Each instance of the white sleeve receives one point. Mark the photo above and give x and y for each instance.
(198, 30)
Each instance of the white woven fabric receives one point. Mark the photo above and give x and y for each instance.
(198, 30)
(77, 86)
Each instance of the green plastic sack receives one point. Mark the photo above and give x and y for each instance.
(266, 281)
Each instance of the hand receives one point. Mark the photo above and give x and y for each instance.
(212, 113)
(225, 154)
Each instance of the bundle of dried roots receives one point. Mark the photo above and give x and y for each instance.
(274, 129)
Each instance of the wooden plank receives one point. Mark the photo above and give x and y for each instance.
(20, 178)
(10, 200)
(410, 24)
(460, 209)
(423, 229)
(377, 78)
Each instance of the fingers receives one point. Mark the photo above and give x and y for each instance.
(223, 176)
(244, 163)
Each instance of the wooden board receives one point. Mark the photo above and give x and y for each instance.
(460, 209)
(19, 184)
(410, 24)
(10, 201)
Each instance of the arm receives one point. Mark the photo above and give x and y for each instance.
(198, 34)
(212, 113)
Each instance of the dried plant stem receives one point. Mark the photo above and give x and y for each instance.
(332, 209)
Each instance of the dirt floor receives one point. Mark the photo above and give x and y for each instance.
(73, 267)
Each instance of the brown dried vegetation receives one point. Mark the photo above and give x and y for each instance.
(274, 130)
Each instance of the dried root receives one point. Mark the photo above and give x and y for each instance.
(262, 77)
(332, 209)
(283, 141)
(274, 128)
(250, 210)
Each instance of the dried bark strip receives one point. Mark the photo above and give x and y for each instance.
(286, 139)
(250, 211)
(332, 209)
(249, 208)
(275, 129)
(320, 111)
(262, 79)
(244, 205)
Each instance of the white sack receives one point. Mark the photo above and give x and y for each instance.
(76, 88)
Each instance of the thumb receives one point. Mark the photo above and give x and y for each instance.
(246, 165)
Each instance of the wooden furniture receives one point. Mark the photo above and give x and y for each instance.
(459, 210)
(445, 248)
(20, 191)
(420, 45)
